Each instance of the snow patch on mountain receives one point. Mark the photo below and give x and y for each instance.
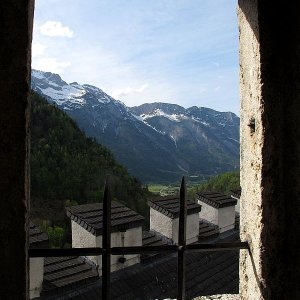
(158, 112)
(172, 137)
(53, 87)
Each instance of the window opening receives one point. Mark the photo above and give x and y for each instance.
(106, 251)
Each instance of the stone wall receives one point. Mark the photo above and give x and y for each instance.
(270, 148)
(15, 52)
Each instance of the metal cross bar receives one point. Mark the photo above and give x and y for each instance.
(106, 241)
(137, 249)
(181, 242)
(217, 247)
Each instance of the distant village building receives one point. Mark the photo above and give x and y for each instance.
(135, 277)
(126, 228)
(164, 218)
(218, 209)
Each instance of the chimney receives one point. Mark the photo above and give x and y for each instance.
(164, 218)
(218, 209)
(126, 230)
(37, 239)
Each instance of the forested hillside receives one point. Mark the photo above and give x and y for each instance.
(69, 168)
(223, 183)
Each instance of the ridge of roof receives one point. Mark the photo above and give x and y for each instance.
(236, 193)
(90, 217)
(216, 199)
(169, 206)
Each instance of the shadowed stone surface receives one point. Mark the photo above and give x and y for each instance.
(15, 47)
(270, 150)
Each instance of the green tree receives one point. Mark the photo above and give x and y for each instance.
(223, 183)
(65, 164)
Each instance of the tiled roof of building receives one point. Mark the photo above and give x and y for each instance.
(169, 206)
(90, 217)
(236, 193)
(37, 238)
(207, 273)
(216, 199)
(151, 238)
(207, 230)
(63, 273)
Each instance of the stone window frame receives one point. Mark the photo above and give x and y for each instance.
(267, 58)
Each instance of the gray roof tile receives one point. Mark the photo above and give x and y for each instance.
(90, 216)
(216, 199)
(37, 238)
(169, 206)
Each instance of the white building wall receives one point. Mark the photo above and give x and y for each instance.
(36, 272)
(169, 227)
(223, 217)
(208, 213)
(192, 228)
(226, 218)
(82, 238)
(161, 223)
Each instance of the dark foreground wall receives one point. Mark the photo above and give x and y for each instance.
(270, 152)
(15, 47)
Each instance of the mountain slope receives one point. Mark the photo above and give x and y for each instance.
(157, 142)
(65, 165)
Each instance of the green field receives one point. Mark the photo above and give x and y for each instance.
(163, 190)
(169, 189)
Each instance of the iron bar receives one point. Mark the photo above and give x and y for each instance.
(138, 249)
(106, 241)
(65, 252)
(181, 241)
(144, 249)
(217, 247)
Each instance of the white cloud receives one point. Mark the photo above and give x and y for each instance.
(38, 49)
(216, 89)
(50, 64)
(55, 28)
(128, 90)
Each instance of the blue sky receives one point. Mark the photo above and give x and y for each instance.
(177, 51)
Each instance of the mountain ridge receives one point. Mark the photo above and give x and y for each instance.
(157, 142)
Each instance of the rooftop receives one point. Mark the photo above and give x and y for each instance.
(236, 193)
(216, 199)
(90, 217)
(169, 206)
(37, 238)
(207, 273)
(207, 230)
(67, 272)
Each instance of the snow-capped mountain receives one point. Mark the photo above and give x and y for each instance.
(155, 141)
